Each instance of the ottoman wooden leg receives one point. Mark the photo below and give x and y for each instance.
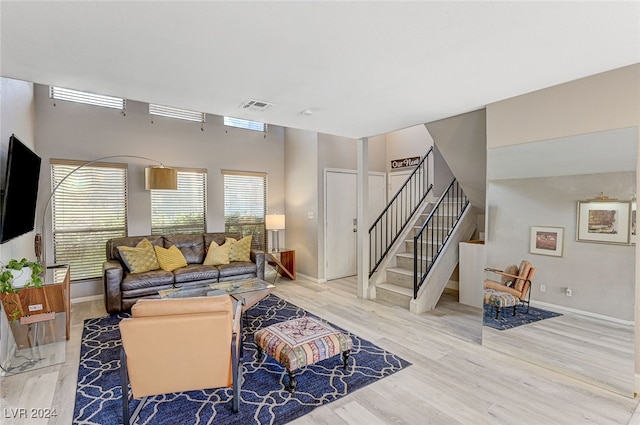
(293, 382)
(259, 353)
(345, 357)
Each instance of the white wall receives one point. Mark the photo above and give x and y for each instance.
(83, 132)
(407, 143)
(17, 116)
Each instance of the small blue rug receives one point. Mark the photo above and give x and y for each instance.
(264, 399)
(506, 320)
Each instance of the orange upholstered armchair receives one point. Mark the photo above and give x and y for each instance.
(175, 345)
(513, 289)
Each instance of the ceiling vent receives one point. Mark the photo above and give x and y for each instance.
(256, 105)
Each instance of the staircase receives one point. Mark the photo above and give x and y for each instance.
(398, 287)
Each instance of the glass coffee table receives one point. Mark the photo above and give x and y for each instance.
(249, 291)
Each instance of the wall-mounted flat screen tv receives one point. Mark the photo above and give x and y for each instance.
(20, 191)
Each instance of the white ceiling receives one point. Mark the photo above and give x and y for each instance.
(361, 68)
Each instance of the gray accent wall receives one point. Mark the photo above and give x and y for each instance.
(83, 132)
(599, 275)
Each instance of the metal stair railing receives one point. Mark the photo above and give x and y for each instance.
(384, 232)
(434, 233)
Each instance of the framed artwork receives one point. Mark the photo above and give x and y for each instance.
(632, 224)
(547, 240)
(604, 221)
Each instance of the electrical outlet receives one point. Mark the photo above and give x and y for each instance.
(568, 292)
(543, 287)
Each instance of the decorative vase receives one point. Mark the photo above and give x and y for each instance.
(21, 277)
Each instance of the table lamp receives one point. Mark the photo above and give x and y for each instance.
(274, 223)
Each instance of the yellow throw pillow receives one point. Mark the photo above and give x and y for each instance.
(239, 250)
(140, 259)
(170, 258)
(217, 254)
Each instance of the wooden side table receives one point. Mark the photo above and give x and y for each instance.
(285, 262)
(34, 305)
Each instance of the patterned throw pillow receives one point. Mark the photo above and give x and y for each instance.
(170, 258)
(239, 250)
(140, 259)
(217, 254)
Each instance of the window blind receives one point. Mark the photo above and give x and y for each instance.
(245, 124)
(245, 198)
(70, 95)
(182, 210)
(88, 208)
(181, 114)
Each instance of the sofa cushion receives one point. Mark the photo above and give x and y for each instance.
(195, 272)
(240, 249)
(191, 245)
(219, 238)
(170, 258)
(132, 241)
(146, 283)
(237, 268)
(217, 254)
(140, 258)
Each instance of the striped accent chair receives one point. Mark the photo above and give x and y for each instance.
(513, 289)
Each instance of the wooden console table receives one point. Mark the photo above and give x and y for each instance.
(285, 262)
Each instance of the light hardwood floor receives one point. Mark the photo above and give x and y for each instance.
(453, 378)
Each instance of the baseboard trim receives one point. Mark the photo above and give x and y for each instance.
(561, 309)
(85, 299)
(309, 278)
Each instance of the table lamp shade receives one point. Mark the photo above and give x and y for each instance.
(160, 178)
(274, 222)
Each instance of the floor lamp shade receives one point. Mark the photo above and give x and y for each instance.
(160, 178)
(274, 223)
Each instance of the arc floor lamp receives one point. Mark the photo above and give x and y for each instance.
(158, 177)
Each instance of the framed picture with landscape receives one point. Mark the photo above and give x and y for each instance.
(547, 240)
(604, 221)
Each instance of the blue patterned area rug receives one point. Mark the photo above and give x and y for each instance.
(264, 399)
(506, 319)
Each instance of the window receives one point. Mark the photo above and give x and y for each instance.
(182, 210)
(245, 196)
(87, 209)
(70, 95)
(181, 114)
(246, 124)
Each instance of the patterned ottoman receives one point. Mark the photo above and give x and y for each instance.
(499, 299)
(301, 342)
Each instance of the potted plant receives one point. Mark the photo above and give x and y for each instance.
(15, 269)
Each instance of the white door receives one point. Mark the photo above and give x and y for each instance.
(340, 219)
(340, 251)
(377, 196)
(396, 180)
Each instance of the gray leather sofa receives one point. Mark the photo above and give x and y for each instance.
(122, 288)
